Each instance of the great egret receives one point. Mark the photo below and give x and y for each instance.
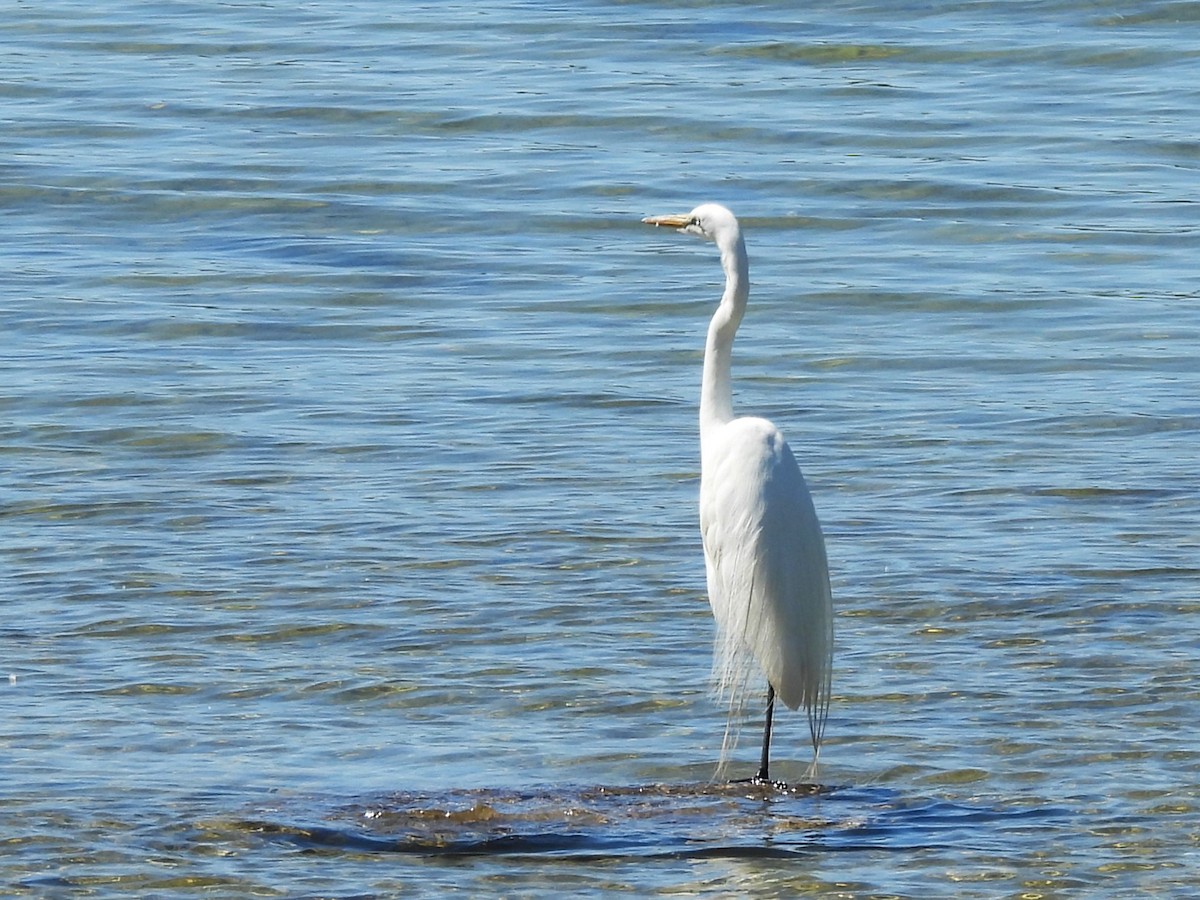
(768, 579)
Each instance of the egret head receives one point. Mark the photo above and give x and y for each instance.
(710, 221)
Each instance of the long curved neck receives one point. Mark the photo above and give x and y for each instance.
(716, 390)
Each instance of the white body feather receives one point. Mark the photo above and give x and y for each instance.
(768, 581)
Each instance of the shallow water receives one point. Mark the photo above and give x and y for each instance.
(350, 458)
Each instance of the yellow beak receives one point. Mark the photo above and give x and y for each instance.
(677, 221)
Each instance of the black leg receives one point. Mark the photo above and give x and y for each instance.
(763, 777)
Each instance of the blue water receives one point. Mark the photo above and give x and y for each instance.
(348, 428)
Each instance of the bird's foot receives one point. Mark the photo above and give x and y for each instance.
(767, 786)
(761, 780)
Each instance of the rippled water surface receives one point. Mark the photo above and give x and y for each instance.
(347, 418)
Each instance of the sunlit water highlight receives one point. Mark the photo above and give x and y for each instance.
(348, 505)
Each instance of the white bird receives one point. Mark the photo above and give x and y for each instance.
(764, 555)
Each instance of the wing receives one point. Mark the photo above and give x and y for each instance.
(768, 579)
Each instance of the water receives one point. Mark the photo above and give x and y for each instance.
(350, 458)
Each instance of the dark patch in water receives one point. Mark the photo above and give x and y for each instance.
(690, 820)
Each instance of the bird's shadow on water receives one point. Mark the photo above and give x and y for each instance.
(656, 820)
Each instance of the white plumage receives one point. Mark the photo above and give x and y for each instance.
(768, 580)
